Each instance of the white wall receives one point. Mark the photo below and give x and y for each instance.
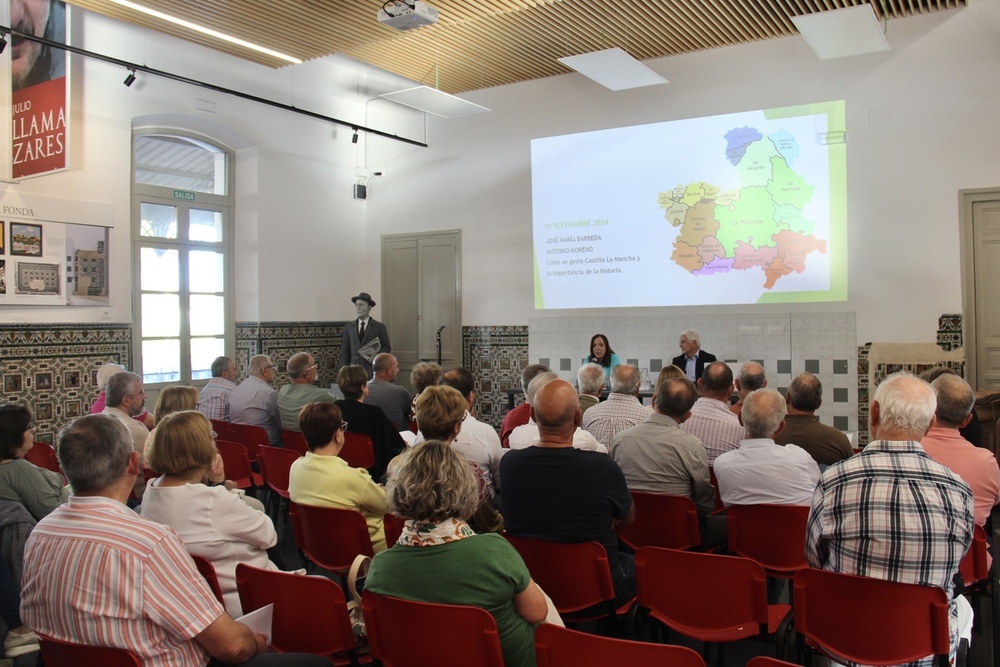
(305, 245)
(939, 84)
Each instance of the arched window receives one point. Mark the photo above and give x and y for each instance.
(181, 255)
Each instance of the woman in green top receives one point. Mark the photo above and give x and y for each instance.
(439, 559)
(39, 490)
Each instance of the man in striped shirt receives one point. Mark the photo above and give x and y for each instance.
(95, 573)
(892, 512)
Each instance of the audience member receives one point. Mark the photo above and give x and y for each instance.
(104, 373)
(125, 400)
(656, 456)
(255, 402)
(39, 490)
(383, 393)
(556, 492)
(19, 639)
(521, 413)
(824, 443)
(750, 378)
(692, 359)
(590, 381)
(214, 400)
(973, 431)
(170, 400)
(602, 354)
(367, 419)
(711, 421)
(943, 443)
(300, 391)
(322, 479)
(476, 440)
(212, 521)
(891, 512)
(761, 472)
(424, 374)
(622, 410)
(363, 338)
(527, 435)
(668, 373)
(440, 559)
(97, 574)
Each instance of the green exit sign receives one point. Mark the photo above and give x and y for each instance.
(183, 195)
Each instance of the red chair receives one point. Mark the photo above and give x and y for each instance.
(358, 450)
(393, 526)
(294, 441)
(870, 621)
(772, 535)
(250, 437)
(664, 521)
(223, 429)
(404, 633)
(237, 465)
(275, 463)
(310, 613)
(207, 570)
(975, 566)
(575, 575)
(766, 661)
(43, 455)
(58, 653)
(707, 597)
(331, 538)
(561, 647)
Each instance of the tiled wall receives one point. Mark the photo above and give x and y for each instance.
(53, 367)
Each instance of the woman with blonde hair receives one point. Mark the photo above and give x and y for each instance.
(439, 558)
(212, 521)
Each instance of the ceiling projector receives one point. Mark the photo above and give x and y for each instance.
(404, 15)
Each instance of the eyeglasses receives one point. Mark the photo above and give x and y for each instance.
(272, 367)
(31, 426)
(312, 367)
(215, 436)
(465, 416)
(343, 427)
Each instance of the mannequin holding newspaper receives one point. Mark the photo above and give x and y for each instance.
(363, 338)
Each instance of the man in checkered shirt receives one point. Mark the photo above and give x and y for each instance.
(891, 512)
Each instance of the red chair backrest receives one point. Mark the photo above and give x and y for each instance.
(249, 436)
(64, 654)
(275, 462)
(358, 450)
(664, 521)
(236, 462)
(207, 570)
(702, 594)
(294, 441)
(870, 621)
(772, 535)
(310, 613)
(393, 526)
(767, 661)
(562, 647)
(223, 429)
(43, 455)
(330, 537)
(975, 566)
(575, 575)
(401, 632)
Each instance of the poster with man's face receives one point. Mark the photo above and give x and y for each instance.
(39, 112)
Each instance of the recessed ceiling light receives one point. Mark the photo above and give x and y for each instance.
(836, 33)
(432, 100)
(206, 31)
(614, 69)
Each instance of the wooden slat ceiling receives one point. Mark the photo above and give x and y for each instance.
(490, 42)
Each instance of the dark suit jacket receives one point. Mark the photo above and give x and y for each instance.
(699, 365)
(371, 421)
(350, 344)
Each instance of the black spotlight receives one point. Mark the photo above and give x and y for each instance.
(354, 139)
(130, 79)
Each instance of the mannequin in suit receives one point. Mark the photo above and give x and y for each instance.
(690, 345)
(364, 337)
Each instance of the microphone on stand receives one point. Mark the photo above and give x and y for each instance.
(441, 328)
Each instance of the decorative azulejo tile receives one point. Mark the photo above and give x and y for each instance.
(495, 355)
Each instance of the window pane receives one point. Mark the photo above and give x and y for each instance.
(161, 360)
(159, 270)
(158, 220)
(179, 162)
(205, 271)
(208, 316)
(161, 315)
(205, 225)
(203, 353)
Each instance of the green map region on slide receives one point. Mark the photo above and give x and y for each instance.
(758, 226)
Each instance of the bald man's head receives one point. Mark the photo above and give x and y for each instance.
(557, 405)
